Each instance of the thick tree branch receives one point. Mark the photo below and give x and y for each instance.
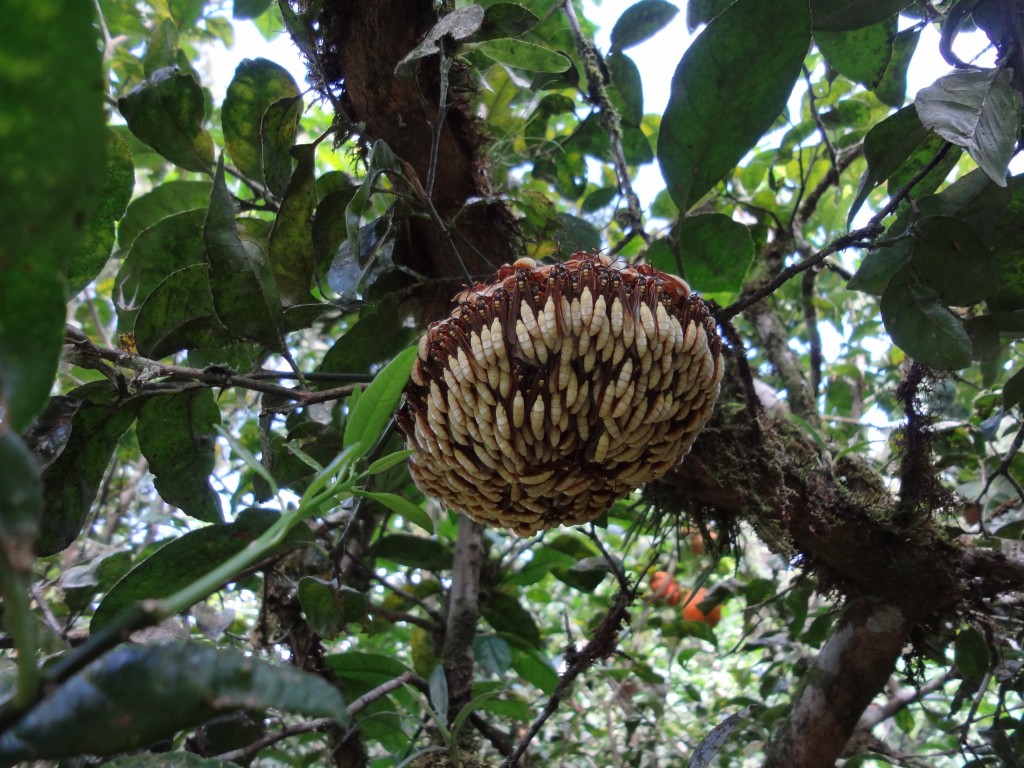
(839, 520)
(864, 647)
(463, 613)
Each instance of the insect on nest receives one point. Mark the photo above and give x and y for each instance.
(554, 390)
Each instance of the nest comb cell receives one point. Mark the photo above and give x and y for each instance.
(554, 390)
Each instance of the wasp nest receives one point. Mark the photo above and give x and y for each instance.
(554, 390)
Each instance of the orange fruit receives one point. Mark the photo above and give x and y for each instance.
(663, 586)
(697, 544)
(692, 611)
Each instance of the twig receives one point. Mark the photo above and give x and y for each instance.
(1004, 466)
(88, 355)
(871, 230)
(609, 117)
(900, 701)
(442, 112)
(600, 646)
(812, 104)
(813, 335)
(246, 753)
(255, 186)
(384, 689)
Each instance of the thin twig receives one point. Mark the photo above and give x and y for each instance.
(442, 112)
(813, 335)
(246, 753)
(601, 646)
(1004, 466)
(609, 117)
(260, 190)
(870, 231)
(812, 104)
(88, 355)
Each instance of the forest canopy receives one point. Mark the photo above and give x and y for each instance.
(212, 547)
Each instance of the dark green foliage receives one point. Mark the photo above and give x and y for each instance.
(150, 692)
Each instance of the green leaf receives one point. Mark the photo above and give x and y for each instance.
(98, 238)
(438, 688)
(249, 9)
(373, 668)
(317, 442)
(523, 55)
(626, 90)
(179, 315)
(290, 250)
(975, 199)
(21, 502)
(535, 669)
(976, 110)
(493, 654)
(171, 244)
(641, 21)
(460, 24)
(505, 20)
(257, 84)
(154, 691)
(585, 574)
(185, 559)
(378, 402)
(167, 112)
(700, 12)
(70, 482)
(52, 170)
(277, 135)
(703, 135)
(163, 200)
(385, 463)
(177, 436)
(161, 47)
(922, 327)
(860, 55)
(971, 654)
(842, 15)
(950, 258)
(886, 148)
(1013, 390)
(892, 90)
(413, 551)
(575, 234)
(715, 250)
(241, 279)
(412, 513)
(507, 615)
(711, 744)
(879, 265)
(328, 608)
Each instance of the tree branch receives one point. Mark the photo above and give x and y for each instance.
(463, 613)
(82, 352)
(601, 646)
(610, 117)
(855, 238)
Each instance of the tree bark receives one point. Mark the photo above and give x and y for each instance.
(463, 614)
(851, 668)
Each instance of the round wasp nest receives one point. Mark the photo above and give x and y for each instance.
(552, 391)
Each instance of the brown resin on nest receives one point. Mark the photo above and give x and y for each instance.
(554, 390)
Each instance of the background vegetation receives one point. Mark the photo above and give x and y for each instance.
(210, 548)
